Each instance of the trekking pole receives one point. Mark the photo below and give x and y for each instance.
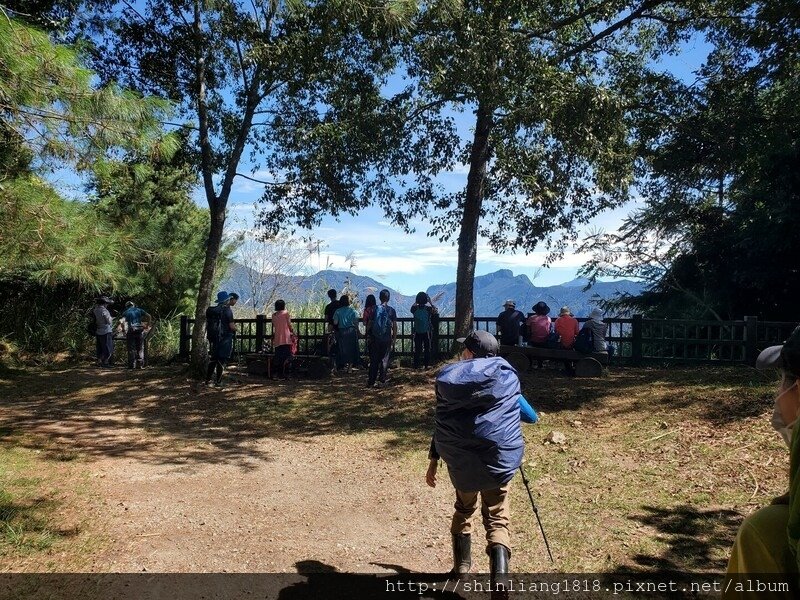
(536, 512)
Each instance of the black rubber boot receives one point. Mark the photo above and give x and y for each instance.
(498, 565)
(462, 555)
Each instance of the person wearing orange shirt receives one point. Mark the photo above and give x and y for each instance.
(567, 329)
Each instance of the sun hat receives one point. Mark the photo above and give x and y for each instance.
(541, 308)
(785, 356)
(480, 343)
(596, 314)
(223, 297)
(510, 303)
(565, 311)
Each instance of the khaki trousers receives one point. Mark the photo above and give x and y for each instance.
(494, 510)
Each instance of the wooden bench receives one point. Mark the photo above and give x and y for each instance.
(315, 366)
(586, 365)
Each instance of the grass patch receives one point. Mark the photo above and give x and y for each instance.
(659, 467)
(36, 519)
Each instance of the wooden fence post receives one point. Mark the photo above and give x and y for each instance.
(750, 340)
(636, 340)
(435, 338)
(183, 343)
(261, 328)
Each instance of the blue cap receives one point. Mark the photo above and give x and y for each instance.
(222, 297)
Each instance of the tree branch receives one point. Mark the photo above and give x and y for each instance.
(274, 183)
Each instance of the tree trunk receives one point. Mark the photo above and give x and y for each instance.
(198, 361)
(470, 219)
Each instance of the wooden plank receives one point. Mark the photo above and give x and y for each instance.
(553, 353)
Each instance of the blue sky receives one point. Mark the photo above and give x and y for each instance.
(369, 245)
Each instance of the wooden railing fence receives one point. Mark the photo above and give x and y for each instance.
(634, 340)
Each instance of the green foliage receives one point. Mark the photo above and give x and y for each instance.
(717, 235)
(47, 99)
(143, 236)
(150, 202)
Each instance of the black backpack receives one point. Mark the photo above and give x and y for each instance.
(584, 343)
(214, 323)
(91, 323)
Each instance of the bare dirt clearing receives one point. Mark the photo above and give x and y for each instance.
(122, 471)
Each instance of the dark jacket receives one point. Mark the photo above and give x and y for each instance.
(478, 431)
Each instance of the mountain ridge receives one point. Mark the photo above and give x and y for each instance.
(490, 291)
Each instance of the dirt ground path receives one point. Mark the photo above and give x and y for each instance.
(147, 472)
(356, 512)
(181, 484)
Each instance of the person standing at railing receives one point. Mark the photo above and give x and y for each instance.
(423, 312)
(346, 320)
(383, 326)
(282, 337)
(330, 326)
(220, 331)
(369, 310)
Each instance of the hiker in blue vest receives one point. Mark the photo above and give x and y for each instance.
(135, 323)
(382, 326)
(478, 435)
(423, 312)
(220, 331)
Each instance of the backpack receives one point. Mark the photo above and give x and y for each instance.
(214, 323)
(381, 323)
(91, 323)
(584, 343)
(422, 320)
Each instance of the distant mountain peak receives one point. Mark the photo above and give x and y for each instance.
(577, 282)
(491, 290)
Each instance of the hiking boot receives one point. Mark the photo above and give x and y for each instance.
(498, 567)
(462, 556)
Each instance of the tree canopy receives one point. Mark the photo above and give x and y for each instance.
(142, 238)
(238, 73)
(555, 94)
(716, 234)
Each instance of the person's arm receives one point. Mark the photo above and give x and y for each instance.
(231, 324)
(526, 412)
(335, 318)
(394, 325)
(289, 321)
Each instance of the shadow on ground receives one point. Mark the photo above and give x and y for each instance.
(698, 541)
(161, 416)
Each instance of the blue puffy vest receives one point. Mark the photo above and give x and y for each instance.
(478, 431)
